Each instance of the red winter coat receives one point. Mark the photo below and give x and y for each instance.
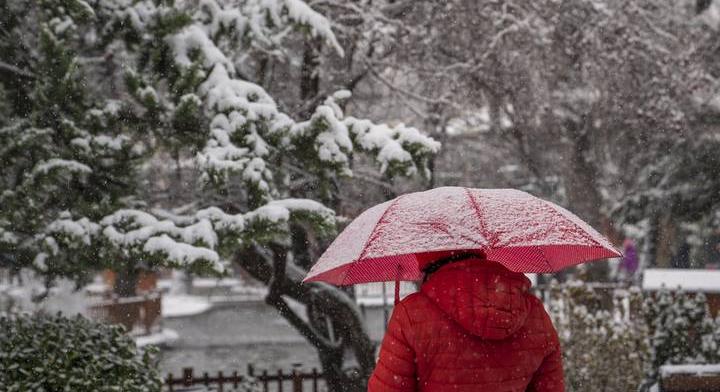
(472, 327)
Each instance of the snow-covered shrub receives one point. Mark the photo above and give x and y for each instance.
(603, 346)
(617, 340)
(57, 353)
(681, 331)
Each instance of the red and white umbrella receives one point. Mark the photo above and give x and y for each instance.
(395, 240)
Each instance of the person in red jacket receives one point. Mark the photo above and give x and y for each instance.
(473, 326)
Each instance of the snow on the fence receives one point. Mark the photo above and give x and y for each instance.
(711, 369)
(687, 279)
(184, 305)
(210, 282)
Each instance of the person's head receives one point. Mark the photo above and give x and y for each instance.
(483, 296)
(628, 243)
(437, 264)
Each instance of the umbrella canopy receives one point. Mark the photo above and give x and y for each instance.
(396, 239)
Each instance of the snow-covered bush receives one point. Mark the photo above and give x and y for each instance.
(57, 353)
(680, 331)
(617, 339)
(603, 346)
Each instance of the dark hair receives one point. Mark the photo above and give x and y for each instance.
(437, 264)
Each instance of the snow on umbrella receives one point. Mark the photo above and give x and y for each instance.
(395, 240)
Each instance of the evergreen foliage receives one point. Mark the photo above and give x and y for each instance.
(681, 331)
(57, 353)
(107, 86)
(617, 340)
(603, 346)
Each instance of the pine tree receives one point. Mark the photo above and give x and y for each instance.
(108, 86)
(68, 157)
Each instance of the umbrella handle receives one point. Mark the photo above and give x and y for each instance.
(397, 285)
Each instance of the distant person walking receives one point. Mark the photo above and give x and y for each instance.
(629, 263)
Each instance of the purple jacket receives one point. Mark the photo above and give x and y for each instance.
(629, 262)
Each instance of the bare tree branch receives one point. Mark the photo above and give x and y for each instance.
(9, 68)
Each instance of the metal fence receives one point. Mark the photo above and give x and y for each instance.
(293, 381)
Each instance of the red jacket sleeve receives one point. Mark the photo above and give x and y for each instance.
(549, 376)
(396, 369)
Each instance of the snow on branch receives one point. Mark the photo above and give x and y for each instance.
(183, 240)
(59, 165)
(130, 227)
(393, 145)
(299, 12)
(194, 39)
(82, 230)
(182, 254)
(336, 136)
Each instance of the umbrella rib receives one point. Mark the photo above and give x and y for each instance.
(373, 235)
(485, 233)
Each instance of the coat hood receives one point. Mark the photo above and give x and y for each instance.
(483, 297)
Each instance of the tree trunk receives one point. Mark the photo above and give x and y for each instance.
(309, 75)
(126, 279)
(582, 192)
(650, 245)
(333, 323)
(434, 125)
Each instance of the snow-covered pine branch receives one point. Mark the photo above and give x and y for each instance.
(169, 80)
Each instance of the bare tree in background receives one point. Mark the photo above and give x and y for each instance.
(583, 95)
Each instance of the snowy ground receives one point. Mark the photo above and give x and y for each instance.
(227, 338)
(161, 338)
(182, 305)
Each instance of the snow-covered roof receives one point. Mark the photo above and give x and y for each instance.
(707, 281)
(667, 370)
